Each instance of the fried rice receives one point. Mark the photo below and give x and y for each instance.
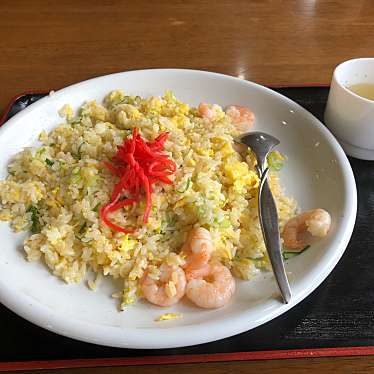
(55, 191)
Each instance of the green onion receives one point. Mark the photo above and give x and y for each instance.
(75, 178)
(201, 211)
(39, 152)
(79, 150)
(225, 224)
(75, 120)
(92, 181)
(83, 112)
(49, 162)
(171, 219)
(187, 186)
(78, 155)
(274, 160)
(96, 208)
(81, 231)
(83, 227)
(132, 100)
(35, 224)
(167, 224)
(260, 263)
(286, 254)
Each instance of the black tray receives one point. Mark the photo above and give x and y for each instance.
(338, 314)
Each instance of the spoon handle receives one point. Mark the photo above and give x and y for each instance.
(269, 225)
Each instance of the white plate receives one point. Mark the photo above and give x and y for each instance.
(317, 174)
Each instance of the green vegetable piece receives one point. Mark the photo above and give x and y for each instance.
(39, 152)
(92, 181)
(187, 186)
(79, 150)
(225, 224)
(49, 162)
(287, 255)
(75, 179)
(82, 229)
(76, 175)
(168, 223)
(78, 155)
(171, 219)
(35, 224)
(260, 262)
(274, 160)
(96, 208)
(127, 100)
(201, 211)
(75, 120)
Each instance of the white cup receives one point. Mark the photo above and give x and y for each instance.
(349, 116)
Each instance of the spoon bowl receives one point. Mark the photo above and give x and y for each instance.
(261, 144)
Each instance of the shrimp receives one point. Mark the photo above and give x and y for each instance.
(205, 111)
(213, 288)
(243, 118)
(168, 290)
(316, 222)
(198, 248)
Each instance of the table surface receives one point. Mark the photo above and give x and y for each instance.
(47, 45)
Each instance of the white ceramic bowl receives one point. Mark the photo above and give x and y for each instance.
(317, 174)
(349, 116)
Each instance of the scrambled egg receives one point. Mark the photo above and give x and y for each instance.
(225, 250)
(131, 112)
(126, 246)
(168, 316)
(240, 176)
(227, 150)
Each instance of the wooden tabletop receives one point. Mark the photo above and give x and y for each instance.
(47, 45)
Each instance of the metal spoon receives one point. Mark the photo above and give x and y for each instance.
(261, 144)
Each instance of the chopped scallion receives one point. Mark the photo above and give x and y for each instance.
(187, 186)
(49, 162)
(275, 160)
(35, 224)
